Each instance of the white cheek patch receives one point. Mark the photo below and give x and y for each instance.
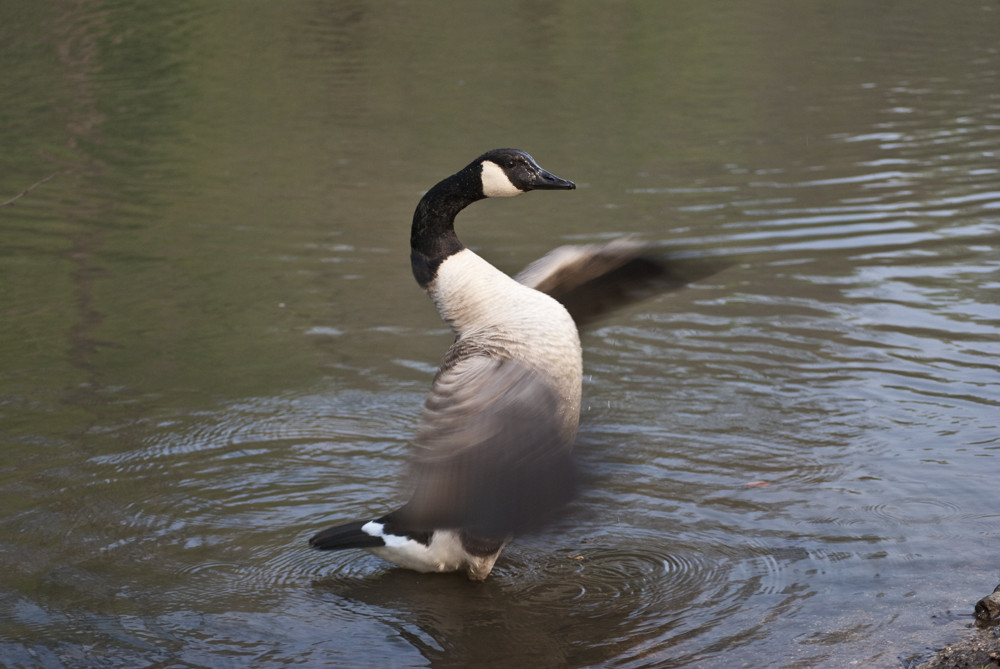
(496, 183)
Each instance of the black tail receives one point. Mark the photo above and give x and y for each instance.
(345, 536)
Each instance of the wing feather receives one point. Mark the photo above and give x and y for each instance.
(491, 454)
(592, 280)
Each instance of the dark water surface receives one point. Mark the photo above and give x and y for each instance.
(211, 345)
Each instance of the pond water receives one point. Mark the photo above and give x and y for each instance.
(211, 345)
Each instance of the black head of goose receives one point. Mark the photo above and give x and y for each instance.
(491, 456)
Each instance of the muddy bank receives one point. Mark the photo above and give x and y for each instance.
(980, 650)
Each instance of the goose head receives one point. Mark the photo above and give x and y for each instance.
(496, 173)
(510, 172)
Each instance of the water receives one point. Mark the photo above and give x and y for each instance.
(211, 346)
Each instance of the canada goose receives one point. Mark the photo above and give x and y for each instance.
(491, 456)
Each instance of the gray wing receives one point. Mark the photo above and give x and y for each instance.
(491, 453)
(593, 279)
(567, 267)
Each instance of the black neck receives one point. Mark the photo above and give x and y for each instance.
(432, 237)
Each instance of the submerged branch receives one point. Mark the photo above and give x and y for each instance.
(29, 189)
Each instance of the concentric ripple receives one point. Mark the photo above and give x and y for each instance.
(643, 578)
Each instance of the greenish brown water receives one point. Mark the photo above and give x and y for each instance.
(211, 345)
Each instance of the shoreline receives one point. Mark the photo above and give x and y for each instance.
(979, 650)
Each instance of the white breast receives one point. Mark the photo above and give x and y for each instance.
(481, 302)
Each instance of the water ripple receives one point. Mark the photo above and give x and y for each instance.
(602, 577)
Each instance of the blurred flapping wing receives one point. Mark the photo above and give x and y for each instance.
(491, 454)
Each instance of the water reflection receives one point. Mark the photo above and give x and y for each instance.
(563, 607)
